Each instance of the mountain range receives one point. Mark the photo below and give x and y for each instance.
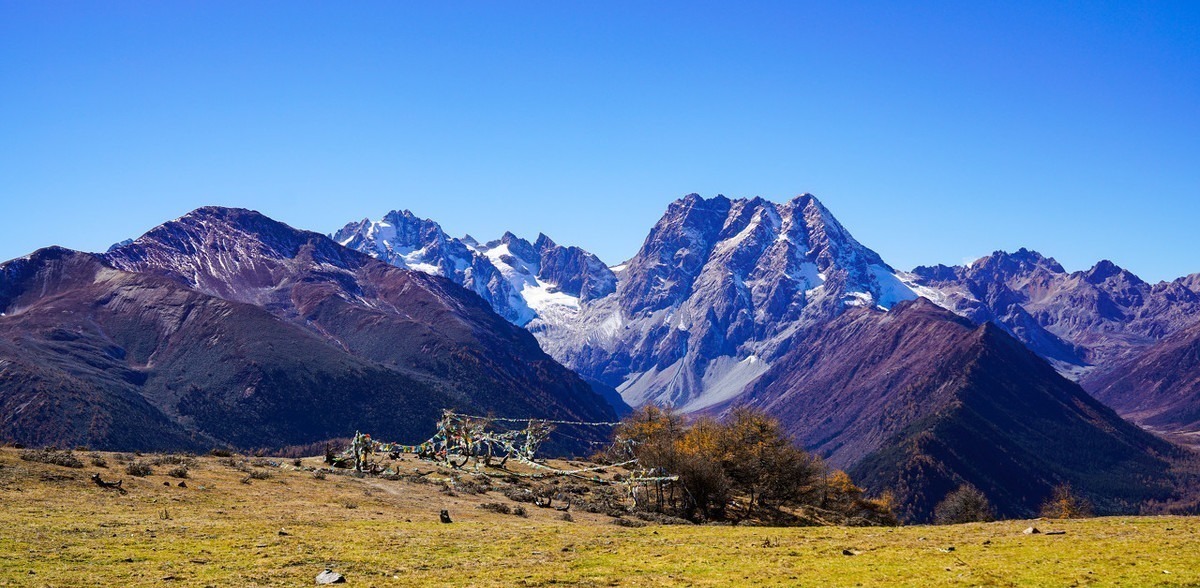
(225, 326)
(722, 288)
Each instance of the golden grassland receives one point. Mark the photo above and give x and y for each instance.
(59, 529)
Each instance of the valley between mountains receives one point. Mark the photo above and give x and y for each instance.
(227, 328)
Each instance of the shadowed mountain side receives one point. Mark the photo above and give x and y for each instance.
(107, 358)
(1160, 388)
(919, 401)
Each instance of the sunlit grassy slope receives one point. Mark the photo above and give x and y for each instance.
(59, 529)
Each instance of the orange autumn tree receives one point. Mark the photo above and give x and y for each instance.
(744, 467)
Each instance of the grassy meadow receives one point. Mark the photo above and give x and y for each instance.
(272, 524)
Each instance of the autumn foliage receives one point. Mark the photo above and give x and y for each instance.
(743, 468)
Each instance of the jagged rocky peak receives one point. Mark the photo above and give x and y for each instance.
(1081, 321)
(717, 288)
(405, 240)
(573, 270)
(519, 247)
(519, 279)
(543, 243)
(1106, 271)
(757, 243)
(937, 273)
(829, 238)
(1004, 265)
(674, 253)
(219, 250)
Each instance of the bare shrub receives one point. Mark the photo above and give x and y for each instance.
(964, 505)
(496, 507)
(178, 472)
(623, 522)
(173, 459)
(519, 494)
(140, 469)
(52, 456)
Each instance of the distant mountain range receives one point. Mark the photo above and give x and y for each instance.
(225, 326)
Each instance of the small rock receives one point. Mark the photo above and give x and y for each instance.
(166, 483)
(446, 516)
(283, 533)
(987, 541)
(1056, 532)
(330, 577)
(182, 484)
(951, 548)
(850, 552)
(1031, 531)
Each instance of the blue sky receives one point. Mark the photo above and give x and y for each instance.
(936, 132)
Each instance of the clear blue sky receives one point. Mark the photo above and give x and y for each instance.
(936, 132)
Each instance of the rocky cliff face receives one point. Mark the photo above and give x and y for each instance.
(716, 289)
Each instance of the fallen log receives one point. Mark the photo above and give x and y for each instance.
(108, 485)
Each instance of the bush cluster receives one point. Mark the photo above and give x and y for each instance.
(52, 456)
(140, 469)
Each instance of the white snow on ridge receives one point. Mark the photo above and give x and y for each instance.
(541, 296)
(892, 289)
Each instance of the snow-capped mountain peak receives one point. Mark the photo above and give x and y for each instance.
(521, 280)
(719, 287)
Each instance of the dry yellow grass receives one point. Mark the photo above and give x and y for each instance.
(61, 530)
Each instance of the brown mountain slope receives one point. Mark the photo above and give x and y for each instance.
(1159, 388)
(919, 401)
(96, 356)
